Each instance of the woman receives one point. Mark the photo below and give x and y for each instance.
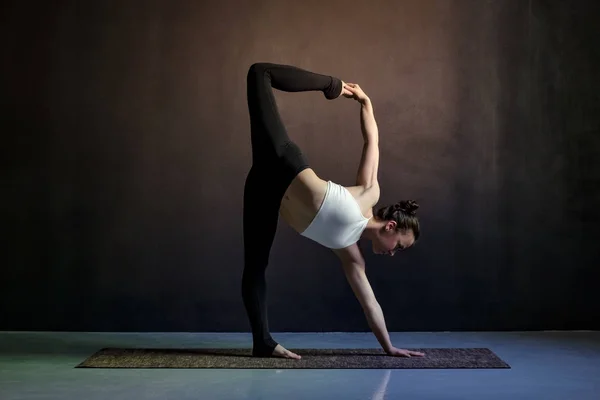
(280, 182)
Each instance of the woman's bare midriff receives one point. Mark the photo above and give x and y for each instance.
(304, 197)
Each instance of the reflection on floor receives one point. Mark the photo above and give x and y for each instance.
(548, 365)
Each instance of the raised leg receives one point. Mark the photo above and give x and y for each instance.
(269, 136)
(289, 78)
(276, 161)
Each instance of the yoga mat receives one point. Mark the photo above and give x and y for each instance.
(311, 359)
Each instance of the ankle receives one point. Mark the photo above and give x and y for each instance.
(334, 90)
(264, 349)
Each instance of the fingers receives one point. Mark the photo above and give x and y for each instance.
(351, 93)
(356, 92)
(409, 353)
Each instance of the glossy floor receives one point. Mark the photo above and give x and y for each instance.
(545, 365)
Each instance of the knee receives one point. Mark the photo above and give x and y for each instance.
(256, 66)
(253, 69)
(257, 69)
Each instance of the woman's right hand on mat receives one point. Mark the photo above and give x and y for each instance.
(404, 353)
(281, 351)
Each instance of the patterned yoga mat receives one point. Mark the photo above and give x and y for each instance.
(311, 358)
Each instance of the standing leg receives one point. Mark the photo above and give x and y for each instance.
(261, 214)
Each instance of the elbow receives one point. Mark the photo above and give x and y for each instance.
(372, 137)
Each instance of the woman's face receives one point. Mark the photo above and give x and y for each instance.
(389, 240)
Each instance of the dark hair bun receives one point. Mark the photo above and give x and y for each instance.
(407, 206)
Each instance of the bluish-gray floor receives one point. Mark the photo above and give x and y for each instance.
(545, 365)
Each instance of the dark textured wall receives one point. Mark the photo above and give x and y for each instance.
(126, 145)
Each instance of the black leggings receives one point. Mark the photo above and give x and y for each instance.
(276, 161)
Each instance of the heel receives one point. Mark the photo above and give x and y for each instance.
(264, 349)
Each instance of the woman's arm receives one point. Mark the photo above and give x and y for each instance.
(357, 278)
(354, 269)
(369, 163)
(368, 124)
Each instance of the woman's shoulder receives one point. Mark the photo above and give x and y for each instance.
(366, 197)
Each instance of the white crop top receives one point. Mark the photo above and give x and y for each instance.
(339, 222)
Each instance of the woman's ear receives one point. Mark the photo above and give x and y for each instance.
(390, 226)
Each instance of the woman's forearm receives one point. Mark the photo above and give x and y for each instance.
(374, 315)
(367, 121)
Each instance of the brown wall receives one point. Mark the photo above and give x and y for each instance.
(126, 144)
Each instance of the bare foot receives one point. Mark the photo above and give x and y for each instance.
(280, 351)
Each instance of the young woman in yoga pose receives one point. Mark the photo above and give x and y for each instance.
(280, 182)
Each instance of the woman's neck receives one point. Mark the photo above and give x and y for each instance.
(373, 226)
